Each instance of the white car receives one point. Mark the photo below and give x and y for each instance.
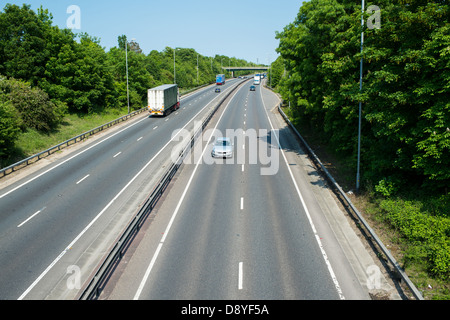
(223, 148)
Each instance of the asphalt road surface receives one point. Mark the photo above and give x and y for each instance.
(261, 225)
(59, 220)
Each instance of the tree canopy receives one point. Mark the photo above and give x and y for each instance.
(46, 71)
(406, 85)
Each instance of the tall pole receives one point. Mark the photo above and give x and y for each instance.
(360, 89)
(174, 74)
(126, 62)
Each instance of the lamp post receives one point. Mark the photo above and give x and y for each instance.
(360, 90)
(126, 62)
(174, 71)
(174, 74)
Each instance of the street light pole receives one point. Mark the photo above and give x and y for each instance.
(360, 90)
(126, 62)
(174, 74)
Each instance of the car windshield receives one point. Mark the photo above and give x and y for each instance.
(223, 143)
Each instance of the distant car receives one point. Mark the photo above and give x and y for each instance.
(223, 148)
(217, 89)
(252, 88)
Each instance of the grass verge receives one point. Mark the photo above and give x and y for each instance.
(32, 141)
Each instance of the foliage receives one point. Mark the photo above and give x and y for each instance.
(427, 235)
(386, 187)
(52, 71)
(405, 137)
(23, 47)
(276, 72)
(406, 85)
(9, 126)
(78, 73)
(33, 105)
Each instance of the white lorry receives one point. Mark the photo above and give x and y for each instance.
(163, 99)
(257, 79)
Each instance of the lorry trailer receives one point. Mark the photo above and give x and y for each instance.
(220, 79)
(163, 99)
(257, 79)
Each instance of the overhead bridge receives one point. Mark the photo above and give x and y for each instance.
(232, 69)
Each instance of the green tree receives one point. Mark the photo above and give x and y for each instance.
(9, 126)
(23, 45)
(32, 104)
(139, 77)
(405, 90)
(31, 49)
(277, 71)
(79, 74)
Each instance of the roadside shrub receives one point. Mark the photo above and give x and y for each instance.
(9, 127)
(386, 187)
(420, 228)
(33, 105)
(440, 258)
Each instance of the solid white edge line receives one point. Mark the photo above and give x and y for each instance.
(67, 160)
(76, 155)
(107, 206)
(172, 219)
(324, 254)
(147, 272)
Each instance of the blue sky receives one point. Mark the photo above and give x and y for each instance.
(236, 28)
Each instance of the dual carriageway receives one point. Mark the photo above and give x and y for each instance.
(224, 229)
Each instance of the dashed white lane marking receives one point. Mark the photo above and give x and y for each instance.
(241, 275)
(31, 217)
(81, 180)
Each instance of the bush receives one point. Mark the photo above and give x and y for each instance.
(33, 105)
(9, 127)
(386, 187)
(429, 234)
(406, 111)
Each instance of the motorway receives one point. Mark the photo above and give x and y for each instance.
(250, 227)
(57, 221)
(260, 225)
